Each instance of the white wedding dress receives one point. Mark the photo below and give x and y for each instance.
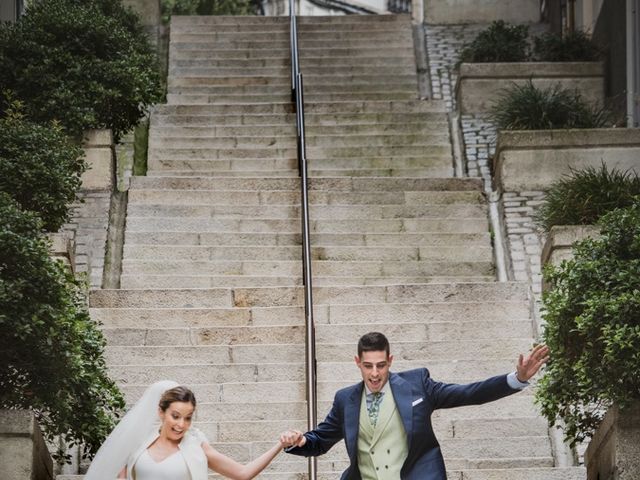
(171, 468)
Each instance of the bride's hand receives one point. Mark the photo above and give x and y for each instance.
(292, 438)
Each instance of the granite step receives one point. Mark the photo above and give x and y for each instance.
(435, 312)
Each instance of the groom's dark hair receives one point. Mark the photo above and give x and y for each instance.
(373, 342)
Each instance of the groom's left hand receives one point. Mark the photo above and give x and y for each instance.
(528, 366)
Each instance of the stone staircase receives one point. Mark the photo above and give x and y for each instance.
(210, 288)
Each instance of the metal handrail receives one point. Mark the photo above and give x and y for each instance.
(310, 336)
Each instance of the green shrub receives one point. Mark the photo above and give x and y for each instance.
(572, 47)
(40, 168)
(582, 197)
(178, 7)
(227, 7)
(592, 316)
(51, 352)
(501, 42)
(206, 7)
(526, 107)
(86, 64)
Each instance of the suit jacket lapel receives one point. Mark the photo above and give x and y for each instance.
(402, 395)
(352, 420)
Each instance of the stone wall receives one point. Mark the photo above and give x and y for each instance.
(469, 11)
(23, 452)
(614, 451)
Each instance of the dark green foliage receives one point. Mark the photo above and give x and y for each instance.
(226, 7)
(40, 168)
(50, 349)
(592, 316)
(582, 197)
(526, 107)
(206, 7)
(501, 42)
(572, 47)
(86, 64)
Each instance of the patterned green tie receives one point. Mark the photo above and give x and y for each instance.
(374, 410)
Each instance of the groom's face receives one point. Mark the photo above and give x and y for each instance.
(374, 367)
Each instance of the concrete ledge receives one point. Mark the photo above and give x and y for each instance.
(480, 84)
(614, 450)
(534, 159)
(98, 150)
(63, 248)
(23, 452)
(560, 241)
(468, 11)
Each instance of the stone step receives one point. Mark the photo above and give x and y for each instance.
(324, 212)
(224, 173)
(336, 167)
(311, 46)
(475, 473)
(269, 430)
(332, 253)
(189, 20)
(316, 197)
(287, 141)
(230, 153)
(185, 96)
(357, 109)
(209, 59)
(310, 72)
(273, 92)
(513, 406)
(266, 130)
(313, 121)
(338, 51)
(387, 79)
(273, 225)
(293, 296)
(174, 97)
(321, 268)
(458, 371)
(256, 238)
(213, 281)
(437, 171)
(435, 312)
(279, 33)
(256, 344)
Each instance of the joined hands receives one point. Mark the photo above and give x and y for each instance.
(292, 438)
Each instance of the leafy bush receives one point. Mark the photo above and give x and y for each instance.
(526, 107)
(40, 168)
(227, 7)
(501, 42)
(592, 314)
(87, 64)
(50, 349)
(178, 7)
(582, 197)
(206, 7)
(572, 47)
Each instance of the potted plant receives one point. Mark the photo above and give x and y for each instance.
(500, 56)
(544, 133)
(592, 315)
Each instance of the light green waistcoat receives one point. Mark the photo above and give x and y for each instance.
(381, 450)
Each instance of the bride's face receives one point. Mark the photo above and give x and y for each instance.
(176, 420)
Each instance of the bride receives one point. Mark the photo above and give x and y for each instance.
(138, 450)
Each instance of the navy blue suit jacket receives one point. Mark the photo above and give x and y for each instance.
(424, 460)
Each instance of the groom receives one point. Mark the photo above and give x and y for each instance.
(386, 419)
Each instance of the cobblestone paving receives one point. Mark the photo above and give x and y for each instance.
(524, 241)
(444, 43)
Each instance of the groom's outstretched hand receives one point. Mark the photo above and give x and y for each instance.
(528, 366)
(292, 438)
